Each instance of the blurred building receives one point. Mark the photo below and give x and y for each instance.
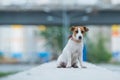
(115, 42)
(21, 42)
(57, 4)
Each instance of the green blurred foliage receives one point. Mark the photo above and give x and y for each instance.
(97, 52)
(54, 36)
(4, 74)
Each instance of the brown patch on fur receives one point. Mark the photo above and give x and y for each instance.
(82, 30)
(72, 28)
(74, 32)
(85, 28)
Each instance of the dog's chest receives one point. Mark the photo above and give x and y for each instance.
(75, 47)
(75, 53)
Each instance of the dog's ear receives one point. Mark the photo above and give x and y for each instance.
(72, 28)
(85, 29)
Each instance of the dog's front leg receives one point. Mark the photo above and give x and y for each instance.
(68, 60)
(80, 58)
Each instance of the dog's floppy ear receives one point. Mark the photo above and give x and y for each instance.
(85, 29)
(72, 28)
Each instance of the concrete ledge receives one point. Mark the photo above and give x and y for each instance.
(48, 71)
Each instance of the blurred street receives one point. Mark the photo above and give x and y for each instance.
(112, 67)
(16, 67)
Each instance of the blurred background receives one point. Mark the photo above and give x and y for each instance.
(35, 31)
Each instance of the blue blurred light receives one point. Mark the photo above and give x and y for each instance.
(45, 56)
(17, 55)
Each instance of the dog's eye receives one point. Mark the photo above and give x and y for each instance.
(76, 31)
(82, 31)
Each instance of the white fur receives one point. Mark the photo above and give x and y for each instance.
(72, 53)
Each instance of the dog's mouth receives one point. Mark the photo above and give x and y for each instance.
(79, 40)
(76, 40)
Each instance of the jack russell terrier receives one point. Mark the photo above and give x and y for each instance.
(72, 53)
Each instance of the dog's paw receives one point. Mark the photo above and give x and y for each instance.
(75, 66)
(61, 66)
(68, 66)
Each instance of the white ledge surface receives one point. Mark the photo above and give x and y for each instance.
(48, 71)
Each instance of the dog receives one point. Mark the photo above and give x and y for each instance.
(72, 53)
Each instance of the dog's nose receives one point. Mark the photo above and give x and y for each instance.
(80, 37)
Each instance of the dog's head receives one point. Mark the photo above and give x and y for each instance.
(78, 32)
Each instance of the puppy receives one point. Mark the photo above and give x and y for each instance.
(72, 53)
